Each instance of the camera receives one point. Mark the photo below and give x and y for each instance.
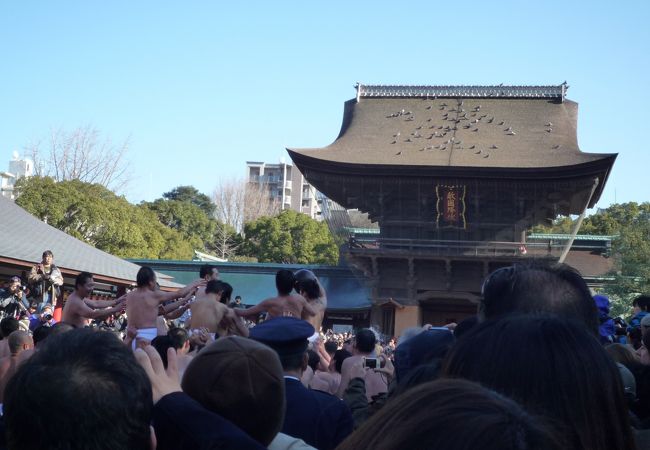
(47, 317)
(371, 363)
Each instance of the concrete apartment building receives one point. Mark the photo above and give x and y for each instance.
(18, 168)
(286, 185)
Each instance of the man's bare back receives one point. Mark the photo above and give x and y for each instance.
(142, 306)
(318, 305)
(207, 313)
(293, 305)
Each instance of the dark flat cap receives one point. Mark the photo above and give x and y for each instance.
(281, 330)
(286, 335)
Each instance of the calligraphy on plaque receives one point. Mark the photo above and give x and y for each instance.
(450, 207)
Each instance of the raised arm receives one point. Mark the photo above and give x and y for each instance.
(253, 311)
(162, 296)
(236, 323)
(83, 310)
(97, 304)
(176, 309)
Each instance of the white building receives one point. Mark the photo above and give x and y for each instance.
(286, 185)
(18, 168)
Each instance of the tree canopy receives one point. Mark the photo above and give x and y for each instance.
(171, 227)
(94, 214)
(290, 237)
(190, 194)
(629, 224)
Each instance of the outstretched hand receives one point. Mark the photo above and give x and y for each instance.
(163, 381)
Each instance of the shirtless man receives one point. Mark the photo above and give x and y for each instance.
(79, 310)
(284, 304)
(143, 305)
(209, 313)
(208, 272)
(19, 342)
(308, 286)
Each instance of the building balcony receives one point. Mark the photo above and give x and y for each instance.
(448, 248)
(287, 184)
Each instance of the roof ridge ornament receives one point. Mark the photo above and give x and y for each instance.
(498, 91)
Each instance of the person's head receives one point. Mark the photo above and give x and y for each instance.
(14, 285)
(216, 288)
(84, 284)
(19, 341)
(48, 257)
(61, 327)
(209, 272)
(641, 303)
(418, 375)
(336, 362)
(284, 281)
(46, 314)
(364, 341)
(408, 333)
(8, 325)
(96, 395)
(146, 278)
(306, 284)
(40, 334)
(238, 299)
(288, 337)
(226, 292)
(241, 380)
(180, 340)
(451, 415)
(161, 344)
(331, 347)
(538, 287)
(553, 367)
(426, 347)
(312, 359)
(465, 326)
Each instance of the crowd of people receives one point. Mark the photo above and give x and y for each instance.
(540, 366)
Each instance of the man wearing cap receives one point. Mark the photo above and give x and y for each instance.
(318, 418)
(242, 380)
(45, 318)
(13, 299)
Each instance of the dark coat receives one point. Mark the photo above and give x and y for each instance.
(320, 419)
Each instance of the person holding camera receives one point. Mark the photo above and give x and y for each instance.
(46, 281)
(13, 299)
(44, 318)
(363, 350)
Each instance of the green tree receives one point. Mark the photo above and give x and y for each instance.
(94, 214)
(192, 195)
(186, 218)
(290, 237)
(629, 224)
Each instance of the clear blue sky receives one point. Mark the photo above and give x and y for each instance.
(202, 87)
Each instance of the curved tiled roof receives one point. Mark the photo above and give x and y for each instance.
(23, 238)
(495, 132)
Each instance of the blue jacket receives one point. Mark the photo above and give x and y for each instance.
(635, 322)
(320, 419)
